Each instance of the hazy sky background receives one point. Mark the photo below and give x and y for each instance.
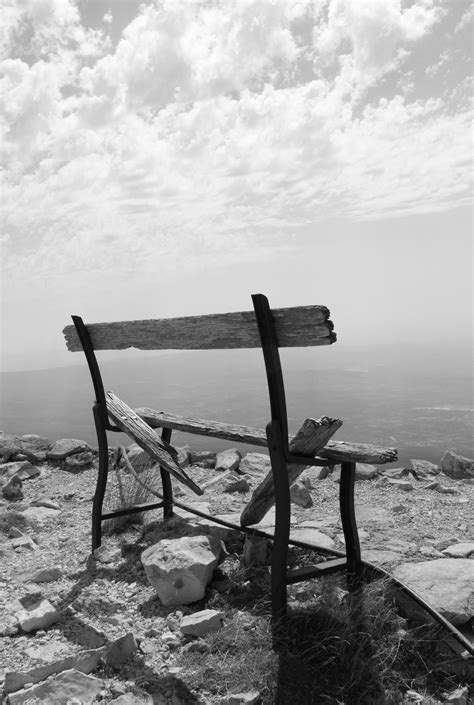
(172, 158)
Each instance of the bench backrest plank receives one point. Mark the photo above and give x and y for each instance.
(299, 326)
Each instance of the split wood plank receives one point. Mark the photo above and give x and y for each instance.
(310, 438)
(131, 424)
(299, 326)
(335, 451)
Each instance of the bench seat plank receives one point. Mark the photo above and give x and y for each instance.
(295, 327)
(335, 451)
(131, 424)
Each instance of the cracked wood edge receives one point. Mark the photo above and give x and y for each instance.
(137, 429)
(312, 436)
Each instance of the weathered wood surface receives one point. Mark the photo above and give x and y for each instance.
(310, 438)
(131, 424)
(335, 451)
(299, 326)
(215, 429)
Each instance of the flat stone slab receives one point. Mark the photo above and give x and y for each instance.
(447, 584)
(312, 536)
(380, 556)
(460, 550)
(66, 686)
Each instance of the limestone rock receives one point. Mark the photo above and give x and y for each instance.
(201, 623)
(24, 541)
(404, 485)
(39, 615)
(424, 468)
(255, 464)
(459, 550)
(236, 484)
(228, 460)
(447, 584)
(300, 495)
(78, 461)
(107, 554)
(45, 502)
(31, 446)
(62, 689)
(312, 536)
(457, 466)
(114, 654)
(11, 490)
(364, 471)
(203, 458)
(180, 569)
(22, 469)
(442, 489)
(45, 575)
(65, 447)
(39, 515)
(395, 473)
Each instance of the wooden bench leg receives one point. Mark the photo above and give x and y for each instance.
(166, 481)
(101, 479)
(282, 523)
(349, 525)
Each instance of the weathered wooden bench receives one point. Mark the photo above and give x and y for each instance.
(311, 446)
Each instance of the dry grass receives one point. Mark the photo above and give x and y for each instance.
(337, 649)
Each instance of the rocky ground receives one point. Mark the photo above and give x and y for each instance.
(100, 614)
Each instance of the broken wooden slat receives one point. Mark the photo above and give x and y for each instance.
(311, 437)
(335, 451)
(342, 451)
(215, 429)
(131, 424)
(295, 327)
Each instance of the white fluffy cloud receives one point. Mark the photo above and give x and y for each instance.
(215, 130)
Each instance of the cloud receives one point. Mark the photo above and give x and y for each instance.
(212, 132)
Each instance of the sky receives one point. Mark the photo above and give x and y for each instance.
(173, 157)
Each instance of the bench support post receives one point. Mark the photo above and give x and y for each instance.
(282, 523)
(101, 477)
(166, 481)
(349, 524)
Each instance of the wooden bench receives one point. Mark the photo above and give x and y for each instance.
(289, 455)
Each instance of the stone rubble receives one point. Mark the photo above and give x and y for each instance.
(47, 666)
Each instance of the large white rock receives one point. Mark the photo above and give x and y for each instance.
(447, 584)
(228, 460)
(180, 569)
(456, 466)
(41, 615)
(203, 622)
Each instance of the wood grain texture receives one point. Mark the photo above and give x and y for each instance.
(300, 326)
(313, 435)
(131, 424)
(334, 451)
